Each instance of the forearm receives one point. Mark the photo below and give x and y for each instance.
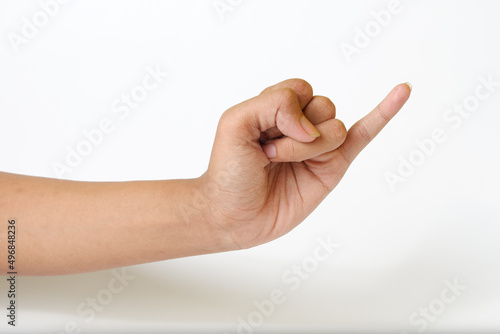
(250, 194)
(68, 227)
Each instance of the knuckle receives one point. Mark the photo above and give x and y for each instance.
(302, 85)
(327, 105)
(226, 117)
(287, 104)
(295, 84)
(292, 150)
(337, 133)
(382, 114)
(340, 129)
(363, 133)
(267, 90)
(231, 120)
(287, 95)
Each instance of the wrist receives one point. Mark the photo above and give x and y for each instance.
(194, 209)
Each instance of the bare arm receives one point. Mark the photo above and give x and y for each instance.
(66, 227)
(275, 158)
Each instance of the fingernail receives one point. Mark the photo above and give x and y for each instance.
(309, 127)
(409, 85)
(270, 150)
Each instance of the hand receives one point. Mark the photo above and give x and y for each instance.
(270, 167)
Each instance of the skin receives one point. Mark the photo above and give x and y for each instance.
(270, 168)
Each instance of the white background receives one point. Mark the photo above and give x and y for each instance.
(397, 248)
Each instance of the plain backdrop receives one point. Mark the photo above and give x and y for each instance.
(398, 246)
